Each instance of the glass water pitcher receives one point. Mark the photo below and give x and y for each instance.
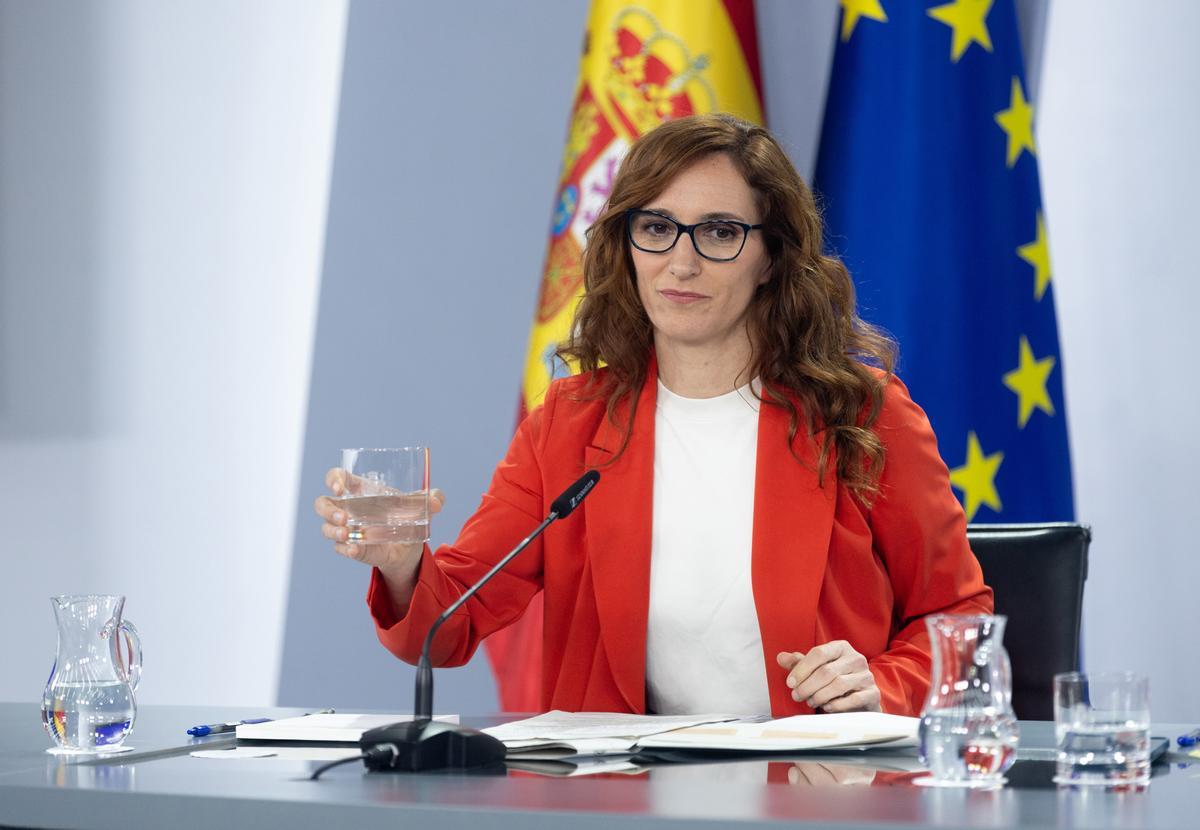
(88, 705)
(968, 731)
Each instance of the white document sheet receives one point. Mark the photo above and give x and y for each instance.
(797, 733)
(343, 728)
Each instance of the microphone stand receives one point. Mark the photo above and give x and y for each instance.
(426, 744)
(423, 709)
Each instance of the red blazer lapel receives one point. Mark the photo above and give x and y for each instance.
(619, 514)
(793, 519)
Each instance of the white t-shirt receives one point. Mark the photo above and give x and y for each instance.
(703, 645)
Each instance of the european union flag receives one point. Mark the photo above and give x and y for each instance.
(928, 173)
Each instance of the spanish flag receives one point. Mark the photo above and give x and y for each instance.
(644, 62)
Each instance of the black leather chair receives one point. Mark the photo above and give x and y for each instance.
(1037, 572)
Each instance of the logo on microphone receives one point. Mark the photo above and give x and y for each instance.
(577, 498)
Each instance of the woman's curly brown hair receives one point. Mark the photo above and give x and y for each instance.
(809, 345)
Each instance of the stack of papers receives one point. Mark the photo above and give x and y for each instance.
(556, 735)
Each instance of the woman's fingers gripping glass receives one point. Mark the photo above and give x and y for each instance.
(363, 548)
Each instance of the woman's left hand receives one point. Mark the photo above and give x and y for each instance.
(832, 677)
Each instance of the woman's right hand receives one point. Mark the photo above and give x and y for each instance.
(397, 561)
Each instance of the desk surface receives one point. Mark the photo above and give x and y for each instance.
(181, 792)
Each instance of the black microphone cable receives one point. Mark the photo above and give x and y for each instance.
(379, 751)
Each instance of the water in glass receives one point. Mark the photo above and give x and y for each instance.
(87, 715)
(401, 517)
(1102, 726)
(1103, 753)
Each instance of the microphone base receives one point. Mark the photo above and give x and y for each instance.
(428, 745)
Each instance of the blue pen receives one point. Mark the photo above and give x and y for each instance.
(1190, 739)
(218, 728)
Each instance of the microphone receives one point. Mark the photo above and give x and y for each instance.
(423, 743)
(562, 506)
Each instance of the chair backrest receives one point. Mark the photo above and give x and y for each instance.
(1037, 572)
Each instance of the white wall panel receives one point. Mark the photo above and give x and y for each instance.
(164, 174)
(1117, 126)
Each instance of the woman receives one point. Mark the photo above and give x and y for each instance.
(773, 521)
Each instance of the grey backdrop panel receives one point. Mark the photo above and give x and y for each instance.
(51, 279)
(451, 127)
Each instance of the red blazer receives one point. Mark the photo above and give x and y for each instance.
(823, 567)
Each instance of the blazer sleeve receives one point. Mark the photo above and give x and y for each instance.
(511, 507)
(920, 534)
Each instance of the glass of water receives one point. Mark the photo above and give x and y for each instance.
(386, 497)
(1102, 728)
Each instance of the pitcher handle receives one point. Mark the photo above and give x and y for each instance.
(132, 664)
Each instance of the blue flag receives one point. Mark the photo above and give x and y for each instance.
(929, 179)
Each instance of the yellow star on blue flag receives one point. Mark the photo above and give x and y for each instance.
(854, 10)
(967, 20)
(976, 478)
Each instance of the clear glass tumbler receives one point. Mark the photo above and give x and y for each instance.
(387, 495)
(1102, 728)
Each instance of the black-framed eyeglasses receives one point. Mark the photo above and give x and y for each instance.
(719, 240)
